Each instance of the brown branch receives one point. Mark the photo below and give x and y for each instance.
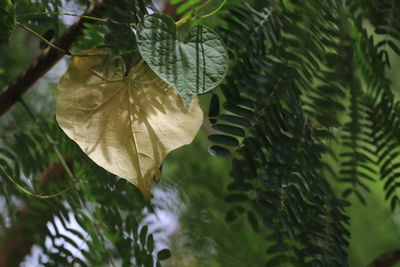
(45, 61)
(388, 259)
(170, 9)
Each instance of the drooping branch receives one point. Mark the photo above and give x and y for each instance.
(45, 61)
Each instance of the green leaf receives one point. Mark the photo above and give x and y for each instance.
(214, 109)
(143, 234)
(150, 243)
(7, 20)
(223, 140)
(163, 254)
(395, 48)
(236, 198)
(234, 213)
(193, 66)
(229, 129)
(253, 221)
(149, 262)
(236, 120)
(218, 151)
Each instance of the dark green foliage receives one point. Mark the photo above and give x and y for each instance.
(307, 91)
(307, 73)
(379, 105)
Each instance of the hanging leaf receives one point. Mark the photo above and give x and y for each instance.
(126, 124)
(7, 20)
(163, 254)
(213, 111)
(219, 151)
(193, 66)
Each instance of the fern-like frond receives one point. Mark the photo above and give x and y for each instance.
(382, 107)
(276, 157)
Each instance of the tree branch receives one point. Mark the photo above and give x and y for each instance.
(388, 259)
(45, 61)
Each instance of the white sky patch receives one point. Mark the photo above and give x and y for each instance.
(71, 223)
(165, 221)
(163, 224)
(73, 8)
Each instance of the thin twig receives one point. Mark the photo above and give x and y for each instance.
(62, 14)
(50, 140)
(20, 187)
(42, 38)
(215, 11)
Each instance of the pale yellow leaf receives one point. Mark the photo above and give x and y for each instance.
(126, 124)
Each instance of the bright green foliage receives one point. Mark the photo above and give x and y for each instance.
(7, 20)
(193, 66)
(185, 6)
(298, 96)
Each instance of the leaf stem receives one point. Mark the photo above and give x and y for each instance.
(193, 13)
(20, 187)
(51, 141)
(215, 11)
(64, 51)
(74, 15)
(61, 14)
(42, 38)
(182, 21)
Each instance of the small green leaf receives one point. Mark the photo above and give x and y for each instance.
(229, 129)
(163, 254)
(394, 47)
(214, 109)
(237, 171)
(143, 234)
(223, 140)
(7, 20)
(149, 262)
(236, 120)
(236, 198)
(193, 66)
(253, 221)
(219, 151)
(138, 254)
(150, 243)
(235, 109)
(234, 213)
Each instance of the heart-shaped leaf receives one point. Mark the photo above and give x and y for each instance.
(7, 20)
(126, 124)
(193, 66)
